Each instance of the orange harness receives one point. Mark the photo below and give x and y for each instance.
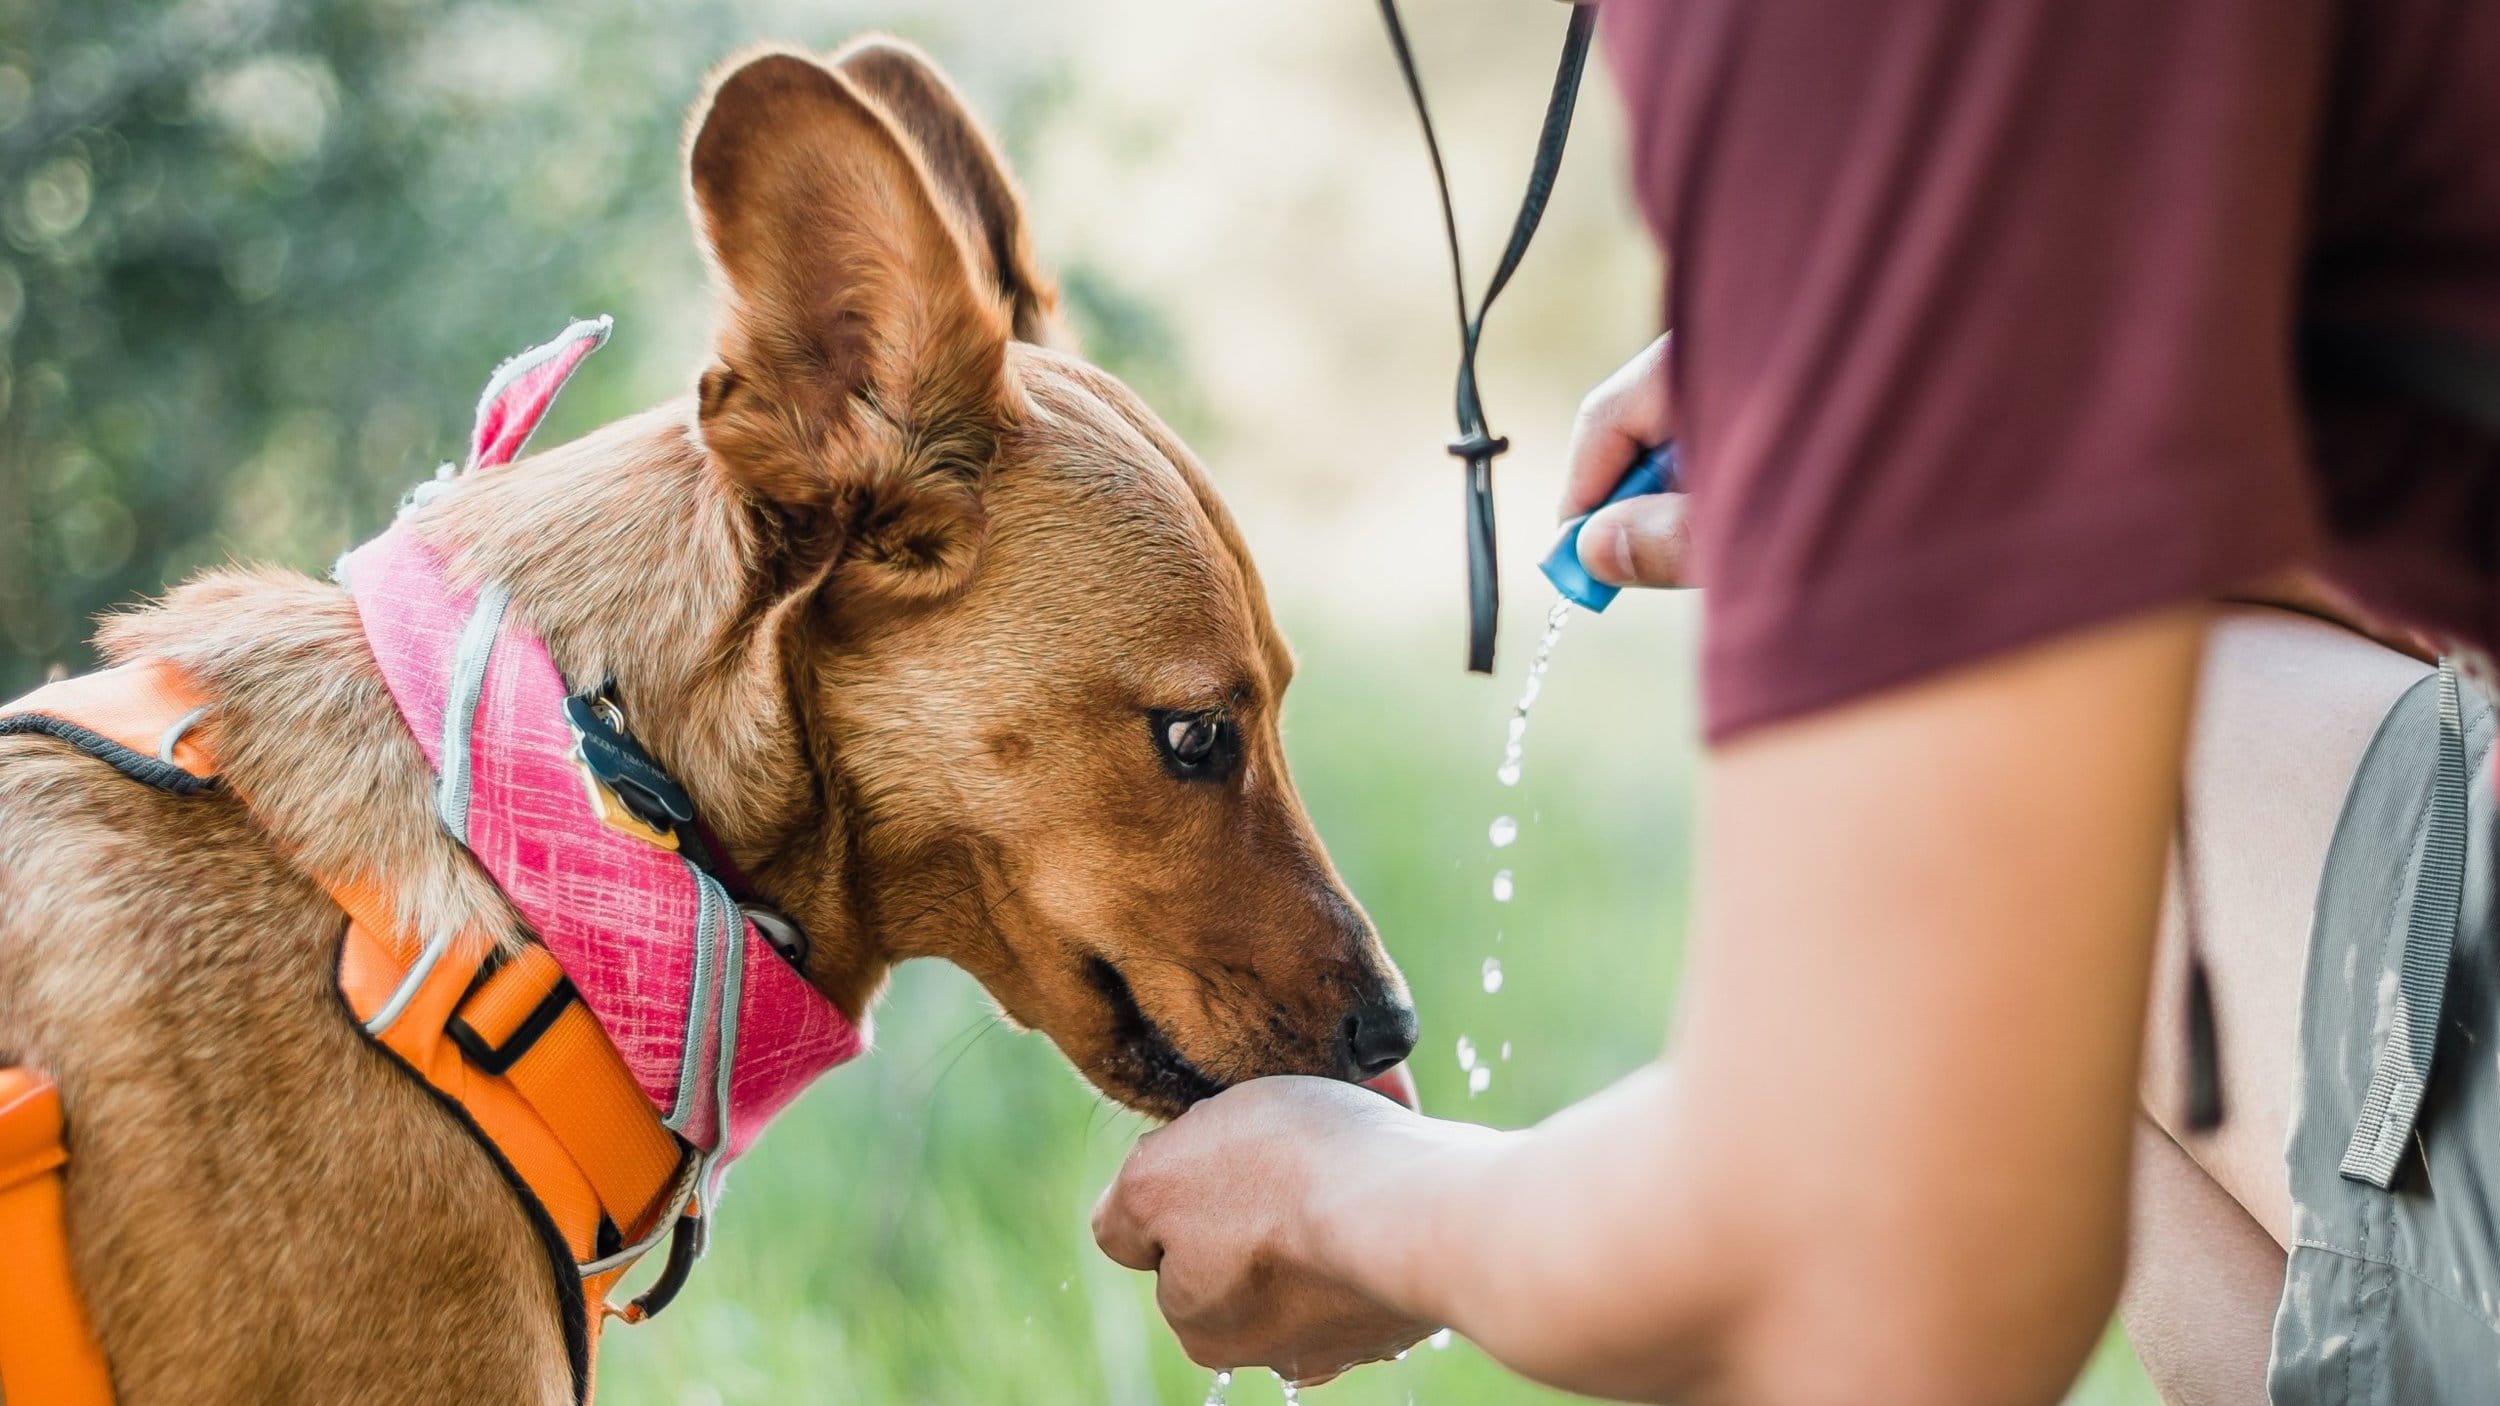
(504, 1041)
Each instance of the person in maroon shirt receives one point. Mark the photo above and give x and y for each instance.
(2009, 336)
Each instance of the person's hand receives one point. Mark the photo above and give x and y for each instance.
(1641, 541)
(1228, 1207)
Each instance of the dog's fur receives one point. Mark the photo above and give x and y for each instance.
(893, 595)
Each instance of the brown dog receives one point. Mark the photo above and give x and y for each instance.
(946, 634)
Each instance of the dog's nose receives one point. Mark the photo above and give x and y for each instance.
(1376, 1035)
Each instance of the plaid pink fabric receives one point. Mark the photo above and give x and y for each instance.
(618, 913)
(523, 389)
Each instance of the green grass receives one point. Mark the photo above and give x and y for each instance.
(914, 1231)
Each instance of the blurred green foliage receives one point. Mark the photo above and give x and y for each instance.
(244, 311)
(256, 257)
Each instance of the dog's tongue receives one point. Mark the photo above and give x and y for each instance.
(1396, 1084)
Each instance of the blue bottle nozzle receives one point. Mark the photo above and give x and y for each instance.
(1654, 472)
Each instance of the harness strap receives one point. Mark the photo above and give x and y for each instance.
(135, 719)
(507, 1041)
(499, 1035)
(549, 1090)
(2401, 1073)
(1476, 444)
(48, 1352)
(526, 1023)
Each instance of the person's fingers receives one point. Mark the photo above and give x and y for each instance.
(1119, 1230)
(1637, 542)
(1627, 413)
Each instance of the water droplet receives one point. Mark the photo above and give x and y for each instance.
(1466, 1053)
(1292, 1390)
(1401, 1357)
(1506, 1052)
(1216, 1391)
(1493, 983)
(1063, 1286)
(1507, 773)
(1503, 832)
(1502, 886)
(1518, 727)
(1440, 1340)
(1479, 1079)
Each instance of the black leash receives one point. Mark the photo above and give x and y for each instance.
(1476, 444)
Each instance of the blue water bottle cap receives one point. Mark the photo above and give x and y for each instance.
(1653, 472)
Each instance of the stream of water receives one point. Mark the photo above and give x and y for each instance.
(1508, 772)
(1502, 834)
(1504, 831)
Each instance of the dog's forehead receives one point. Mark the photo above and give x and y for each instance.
(1094, 436)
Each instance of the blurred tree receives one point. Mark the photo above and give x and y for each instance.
(259, 254)
(256, 257)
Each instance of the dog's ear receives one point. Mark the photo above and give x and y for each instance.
(860, 381)
(968, 169)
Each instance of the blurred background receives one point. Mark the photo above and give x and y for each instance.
(256, 259)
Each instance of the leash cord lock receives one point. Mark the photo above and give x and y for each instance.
(1477, 446)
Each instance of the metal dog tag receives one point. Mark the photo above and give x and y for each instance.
(629, 791)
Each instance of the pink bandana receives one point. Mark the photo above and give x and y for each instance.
(705, 1012)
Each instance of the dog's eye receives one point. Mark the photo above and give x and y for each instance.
(1196, 746)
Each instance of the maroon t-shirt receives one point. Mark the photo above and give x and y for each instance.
(1989, 315)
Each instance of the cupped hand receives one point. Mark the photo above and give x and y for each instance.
(1640, 541)
(1234, 1205)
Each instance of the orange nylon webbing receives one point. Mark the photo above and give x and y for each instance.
(566, 1113)
(48, 1354)
(134, 705)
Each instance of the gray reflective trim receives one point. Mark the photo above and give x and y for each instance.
(2402, 1069)
(711, 901)
(720, 968)
(594, 328)
(406, 991)
(680, 1198)
(468, 681)
(173, 735)
(732, 988)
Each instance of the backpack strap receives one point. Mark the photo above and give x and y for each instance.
(2458, 374)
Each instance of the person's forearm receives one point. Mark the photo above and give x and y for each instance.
(1573, 1252)
(1889, 1164)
